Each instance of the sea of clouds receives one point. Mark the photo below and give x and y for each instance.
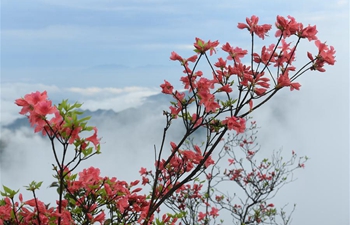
(296, 121)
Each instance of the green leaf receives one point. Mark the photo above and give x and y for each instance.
(54, 184)
(62, 105)
(89, 128)
(6, 189)
(98, 150)
(87, 151)
(38, 185)
(77, 105)
(200, 43)
(72, 201)
(84, 119)
(33, 186)
(8, 192)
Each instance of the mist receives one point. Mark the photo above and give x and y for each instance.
(131, 136)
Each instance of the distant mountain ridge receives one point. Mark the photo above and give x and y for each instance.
(149, 105)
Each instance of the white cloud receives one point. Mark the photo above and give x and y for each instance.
(95, 90)
(93, 98)
(113, 98)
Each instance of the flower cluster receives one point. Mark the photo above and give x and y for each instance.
(38, 107)
(250, 79)
(254, 28)
(91, 191)
(63, 125)
(32, 211)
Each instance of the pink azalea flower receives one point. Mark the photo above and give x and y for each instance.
(221, 63)
(201, 216)
(234, 53)
(94, 138)
(234, 123)
(44, 107)
(214, 212)
(167, 88)
(253, 27)
(286, 27)
(174, 56)
(309, 32)
(201, 46)
(227, 88)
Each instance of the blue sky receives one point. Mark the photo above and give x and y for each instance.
(62, 42)
(76, 49)
(111, 54)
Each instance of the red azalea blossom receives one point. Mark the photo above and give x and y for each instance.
(143, 171)
(295, 86)
(189, 82)
(145, 180)
(174, 111)
(309, 32)
(286, 27)
(201, 216)
(94, 138)
(174, 56)
(231, 161)
(197, 120)
(44, 108)
(234, 53)
(253, 27)
(234, 123)
(259, 91)
(214, 212)
(325, 54)
(74, 134)
(201, 46)
(192, 58)
(209, 162)
(167, 88)
(221, 63)
(284, 81)
(227, 88)
(261, 81)
(38, 107)
(265, 56)
(209, 101)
